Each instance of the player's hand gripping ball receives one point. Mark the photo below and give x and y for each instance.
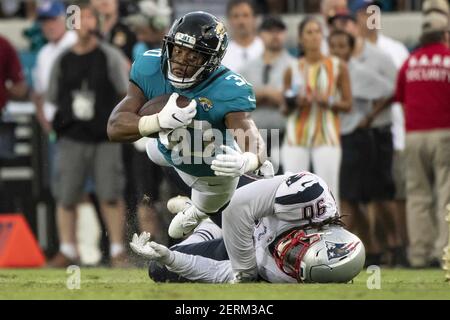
(173, 110)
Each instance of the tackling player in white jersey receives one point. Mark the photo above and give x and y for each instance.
(285, 229)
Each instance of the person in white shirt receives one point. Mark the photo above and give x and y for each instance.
(265, 73)
(52, 16)
(245, 44)
(378, 121)
(398, 53)
(59, 39)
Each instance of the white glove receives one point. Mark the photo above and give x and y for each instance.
(266, 170)
(150, 249)
(232, 163)
(172, 116)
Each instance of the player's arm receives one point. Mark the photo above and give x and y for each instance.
(269, 96)
(238, 225)
(192, 267)
(247, 135)
(234, 163)
(200, 269)
(343, 82)
(249, 204)
(125, 125)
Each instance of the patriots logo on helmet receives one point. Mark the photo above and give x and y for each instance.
(339, 250)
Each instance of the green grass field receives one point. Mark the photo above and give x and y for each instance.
(98, 283)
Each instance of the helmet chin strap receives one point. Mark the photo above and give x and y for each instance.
(182, 83)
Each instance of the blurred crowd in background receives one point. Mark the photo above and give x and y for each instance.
(360, 109)
(27, 8)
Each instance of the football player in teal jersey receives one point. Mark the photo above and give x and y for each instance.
(212, 141)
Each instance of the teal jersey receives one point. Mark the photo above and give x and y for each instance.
(221, 93)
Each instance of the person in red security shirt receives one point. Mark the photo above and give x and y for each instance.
(423, 87)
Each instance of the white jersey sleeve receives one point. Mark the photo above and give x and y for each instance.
(201, 269)
(249, 204)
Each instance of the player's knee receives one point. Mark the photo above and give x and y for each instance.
(159, 273)
(156, 271)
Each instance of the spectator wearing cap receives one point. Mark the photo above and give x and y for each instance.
(441, 7)
(51, 15)
(84, 101)
(150, 25)
(265, 73)
(245, 44)
(395, 49)
(339, 19)
(438, 6)
(423, 87)
(328, 10)
(355, 138)
(398, 52)
(321, 87)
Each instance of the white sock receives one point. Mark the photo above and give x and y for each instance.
(208, 227)
(205, 231)
(69, 250)
(115, 249)
(200, 215)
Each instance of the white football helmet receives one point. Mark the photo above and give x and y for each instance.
(332, 254)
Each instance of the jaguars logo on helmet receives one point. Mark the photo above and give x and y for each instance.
(201, 32)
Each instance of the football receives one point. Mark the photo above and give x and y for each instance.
(156, 104)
